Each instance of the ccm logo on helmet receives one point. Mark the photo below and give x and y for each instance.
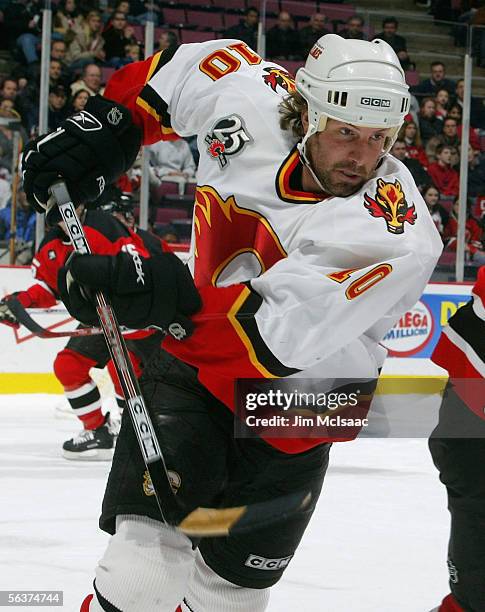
(261, 563)
(375, 102)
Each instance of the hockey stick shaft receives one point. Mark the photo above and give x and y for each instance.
(170, 509)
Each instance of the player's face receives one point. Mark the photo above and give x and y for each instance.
(344, 156)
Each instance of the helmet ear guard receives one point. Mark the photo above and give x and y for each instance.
(356, 82)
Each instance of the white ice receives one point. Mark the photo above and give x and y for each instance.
(377, 541)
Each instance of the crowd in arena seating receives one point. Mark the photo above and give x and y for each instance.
(92, 38)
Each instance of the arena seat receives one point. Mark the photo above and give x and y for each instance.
(167, 215)
(194, 36)
(174, 17)
(207, 21)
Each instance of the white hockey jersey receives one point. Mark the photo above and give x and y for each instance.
(291, 284)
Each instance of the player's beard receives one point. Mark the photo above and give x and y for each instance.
(335, 183)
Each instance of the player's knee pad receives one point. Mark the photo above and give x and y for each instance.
(208, 592)
(145, 568)
(72, 368)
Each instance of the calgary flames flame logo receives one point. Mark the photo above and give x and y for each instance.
(224, 230)
(277, 76)
(390, 204)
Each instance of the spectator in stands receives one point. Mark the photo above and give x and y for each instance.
(116, 39)
(67, 21)
(247, 29)
(398, 43)
(409, 132)
(167, 40)
(6, 106)
(133, 53)
(171, 161)
(455, 113)
(90, 81)
(436, 81)
(78, 101)
(449, 135)
(476, 173)
(58, 51)
(477, 108)
(474, 253)
(438, 212)
(55, 74)
(25, 228)
(282, 41)
(312, 32)
(442, 103)
(420, 176)
(57, 106)
(87, 45)
(6, 137)
(123, 6)
(354, 28)
(455, 159)
(442, 174)
(9, 89)
(429, 124)
(21, 19)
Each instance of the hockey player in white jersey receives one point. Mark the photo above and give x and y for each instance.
(309, 242)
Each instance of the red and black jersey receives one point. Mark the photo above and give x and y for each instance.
(461, 348)
(105, 235)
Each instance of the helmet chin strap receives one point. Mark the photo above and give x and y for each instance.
(301, 146)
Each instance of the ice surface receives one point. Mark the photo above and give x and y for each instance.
(377, 541)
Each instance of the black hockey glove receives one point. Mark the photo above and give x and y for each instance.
(89, 150)
(144, 292)
(6, 315)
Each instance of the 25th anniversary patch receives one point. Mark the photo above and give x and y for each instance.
(227, 138)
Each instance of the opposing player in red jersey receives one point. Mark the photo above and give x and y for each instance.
(458, 449)
(73, 363)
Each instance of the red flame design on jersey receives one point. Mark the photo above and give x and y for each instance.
(390, 203)
(223, 230)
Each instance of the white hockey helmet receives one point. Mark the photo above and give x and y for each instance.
(354, 81)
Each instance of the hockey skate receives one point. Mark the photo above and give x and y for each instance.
(93, 444)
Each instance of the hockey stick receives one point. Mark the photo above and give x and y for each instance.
(24, 318)
(201, 521)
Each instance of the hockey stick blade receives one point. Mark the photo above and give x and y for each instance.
(241, 519)
(24, 318)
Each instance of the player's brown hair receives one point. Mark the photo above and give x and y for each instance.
(290, 109)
